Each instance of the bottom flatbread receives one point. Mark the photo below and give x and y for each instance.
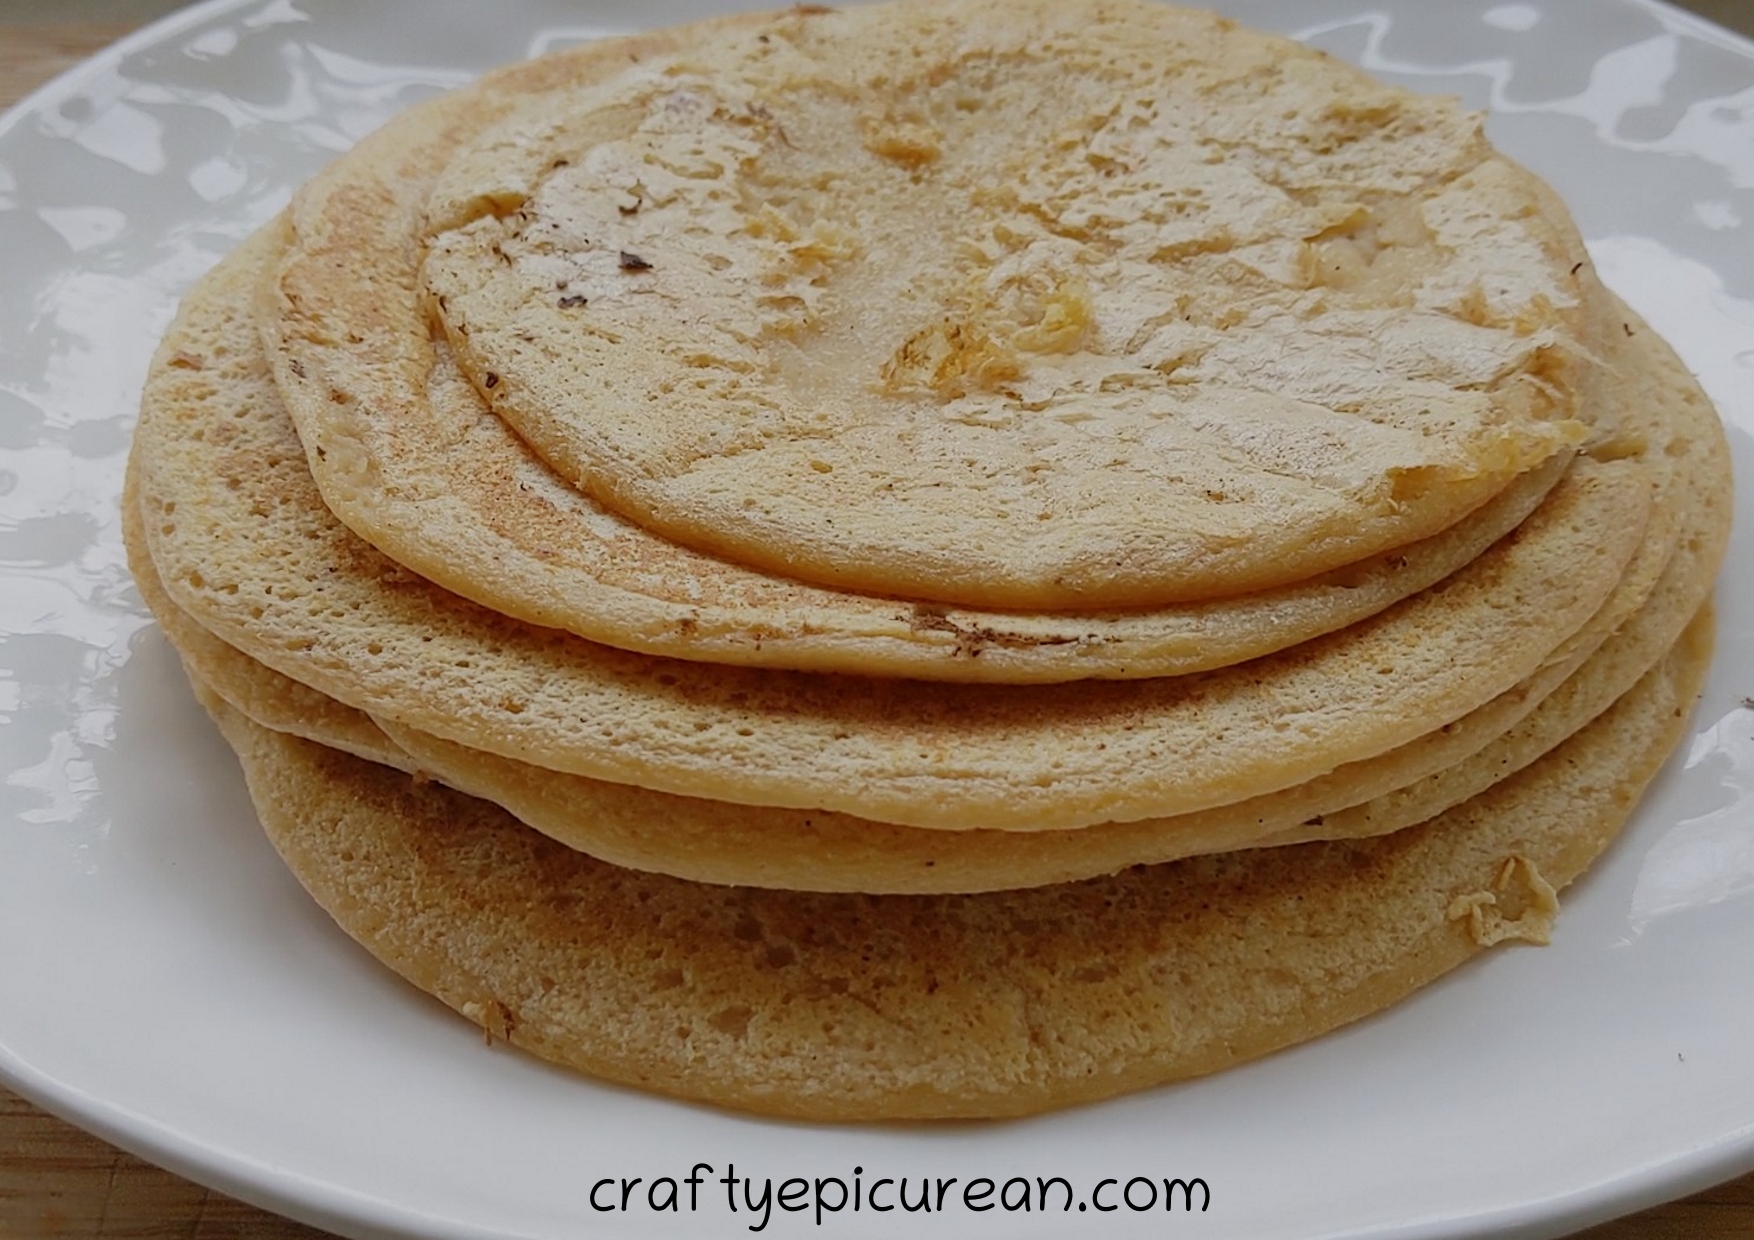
(841, 1007)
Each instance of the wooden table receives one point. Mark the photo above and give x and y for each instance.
(58, 1181)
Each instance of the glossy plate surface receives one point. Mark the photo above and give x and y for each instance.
(164, 982)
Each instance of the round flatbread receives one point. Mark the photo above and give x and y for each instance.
(1666, 581)
(885, 1007)
(815, 850)
(405, 453)
(244, 543)
(1013, 305)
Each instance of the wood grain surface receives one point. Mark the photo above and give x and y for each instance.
(57, 1181)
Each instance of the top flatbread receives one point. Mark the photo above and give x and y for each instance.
(1013, 305)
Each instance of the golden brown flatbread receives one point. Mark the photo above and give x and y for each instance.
(814, 850)
(244, 543)
(836, 1007)
(1013, 304)
(406, 453)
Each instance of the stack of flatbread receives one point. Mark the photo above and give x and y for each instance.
(944, 559)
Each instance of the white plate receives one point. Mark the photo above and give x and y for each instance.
(163, 982)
